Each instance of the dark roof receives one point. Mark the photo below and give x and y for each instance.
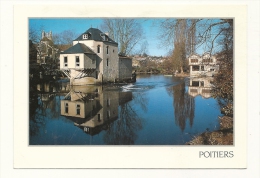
(96, 35)
(63, 47)
(78, 48)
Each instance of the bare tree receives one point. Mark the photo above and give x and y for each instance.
(64, 38)
(180, 35)
(223, 81)
(215, 36)
(35, 34)
(209, 31)
(128, 33)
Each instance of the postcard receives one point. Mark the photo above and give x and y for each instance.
(158, 86)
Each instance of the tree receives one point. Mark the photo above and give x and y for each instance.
(223, 81)
(180, 34)
(32, 52)
(128, 33)
(210, 35)
(64, 38)
(34, 35)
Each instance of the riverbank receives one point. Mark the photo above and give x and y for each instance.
(184, 74)
(223, 136)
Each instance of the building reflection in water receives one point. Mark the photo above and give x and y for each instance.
(184, 103)
(200, 86)
(44, 96)
(93, 108)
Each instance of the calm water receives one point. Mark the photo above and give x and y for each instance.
(156, 110)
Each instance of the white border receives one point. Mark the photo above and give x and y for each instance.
(124, 156)
(7, 126)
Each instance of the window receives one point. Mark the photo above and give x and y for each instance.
(107, 61)
(85, 36)
(206, 91)
(98, 49)
(195, 83)
(77, 61)
(65, 61)
(202, 68)
(66, 108)
(195, 68)
(96, 93)
(107, 49)
(108, 114)
(207, 60)
(194, 60)
(108, 102)
(99, 118)
(78, 109)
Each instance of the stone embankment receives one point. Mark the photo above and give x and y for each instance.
(182, 74)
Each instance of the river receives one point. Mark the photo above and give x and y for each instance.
(156, 110)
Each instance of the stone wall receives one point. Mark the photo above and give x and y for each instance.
(125, 68)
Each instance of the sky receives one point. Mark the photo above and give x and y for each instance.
(80, 25)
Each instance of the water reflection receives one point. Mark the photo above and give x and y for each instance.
(44, 101)
(91, 108)
(94, 109)
(124, 131)
(183, 104)
(141, 113)
(200, 86)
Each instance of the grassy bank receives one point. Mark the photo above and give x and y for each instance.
(223, 136)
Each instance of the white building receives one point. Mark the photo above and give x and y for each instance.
(93, 59)
(205, 65)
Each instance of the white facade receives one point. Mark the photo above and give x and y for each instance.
(92, 59)
(205, 65)
(77, 61)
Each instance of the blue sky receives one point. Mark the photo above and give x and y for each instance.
(80, 25)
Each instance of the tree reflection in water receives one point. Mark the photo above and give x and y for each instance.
(183, 104)
(36, 121)
(44, 103)
(123, 131)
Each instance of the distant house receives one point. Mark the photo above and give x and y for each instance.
(205, 65)
(94, 59)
